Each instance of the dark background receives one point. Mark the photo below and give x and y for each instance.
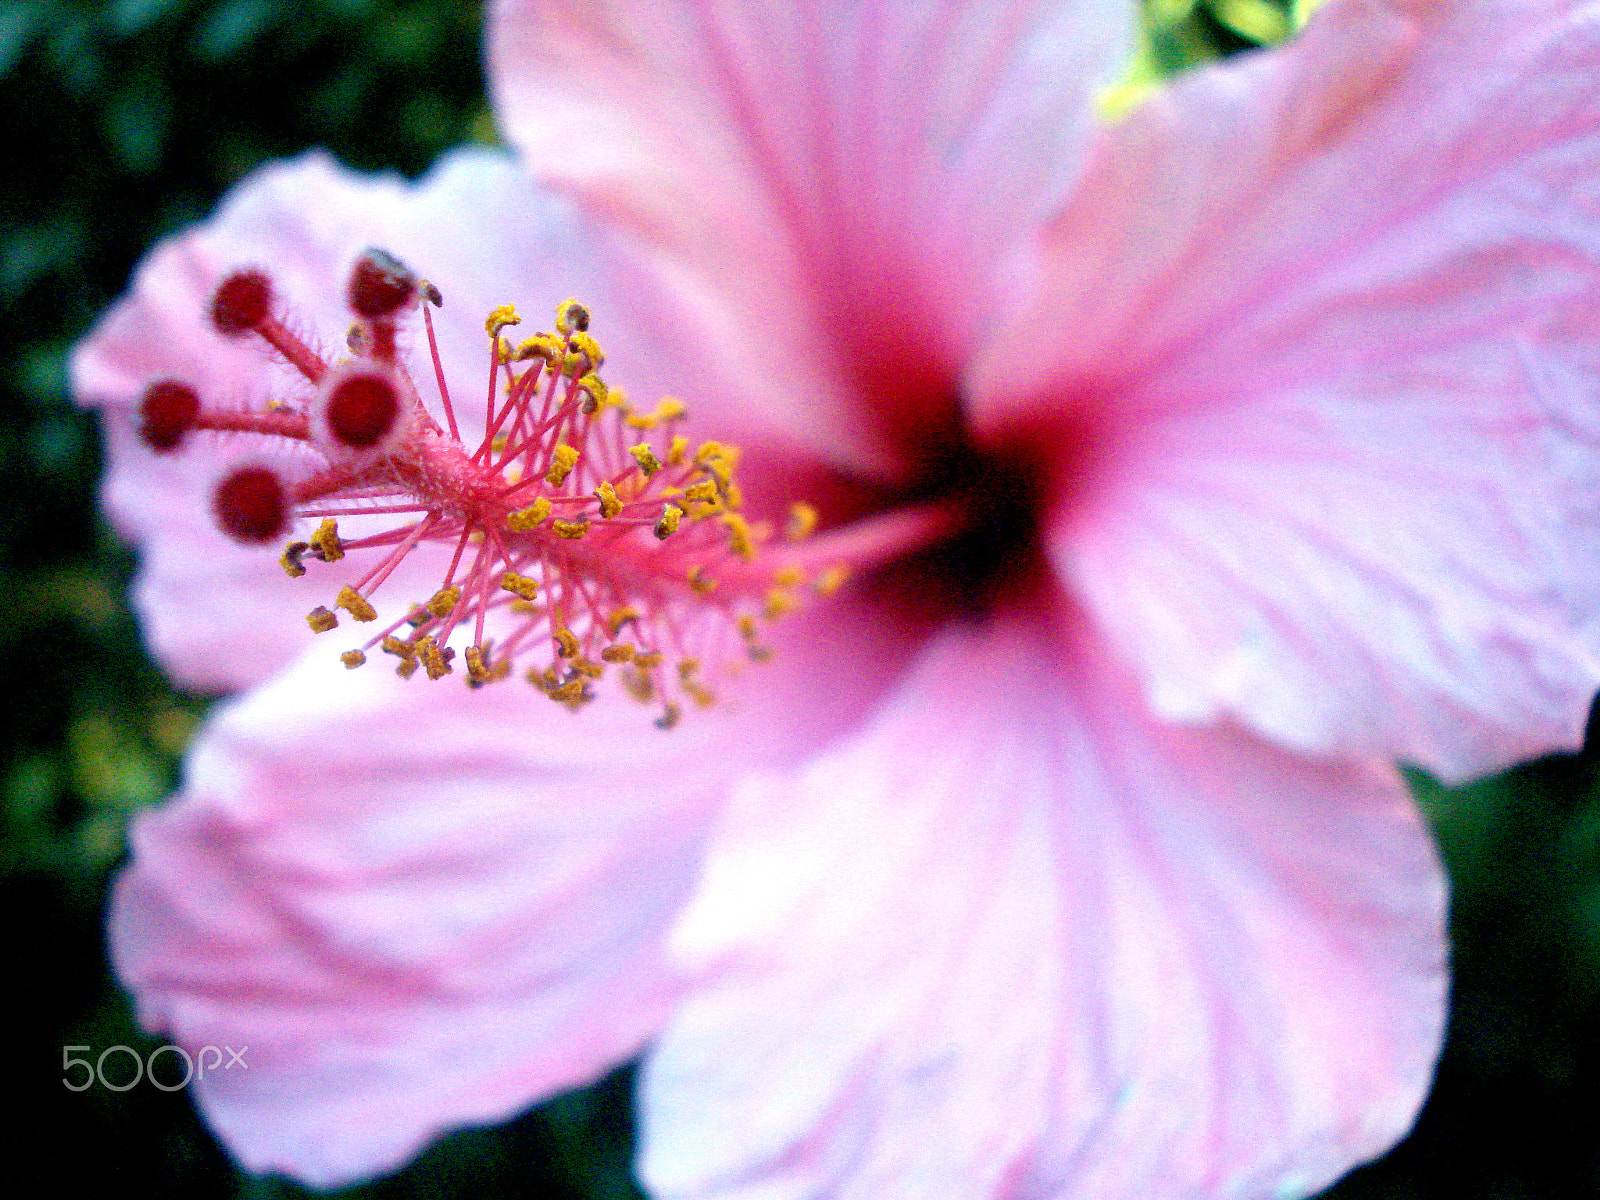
(122, 122)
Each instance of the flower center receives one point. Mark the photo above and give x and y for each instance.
(579, 531)
(994, 496)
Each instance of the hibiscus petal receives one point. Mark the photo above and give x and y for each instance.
(1333, 312)
(1016, 938)
(421, 906)
(831, 187)
(475, 226)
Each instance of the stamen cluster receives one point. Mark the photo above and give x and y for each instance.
(580, 531)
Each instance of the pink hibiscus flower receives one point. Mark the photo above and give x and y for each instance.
(1061, 852)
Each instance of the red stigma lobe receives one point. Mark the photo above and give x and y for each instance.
(251, 505)
(167, 413)
(380, 285)
(242, 304)
(361, 411)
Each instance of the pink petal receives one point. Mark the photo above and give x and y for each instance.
(220, 615)
(1333, 312)
(830, 187)
(421, 906)
(1014, 938)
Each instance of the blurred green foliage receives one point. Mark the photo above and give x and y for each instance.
(125, 121)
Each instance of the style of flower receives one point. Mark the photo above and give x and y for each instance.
(560, 532)
(1229, 453)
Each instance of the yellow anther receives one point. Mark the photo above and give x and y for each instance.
(571, 530)
(711, 452)
(701, 492)
(702, 695)
(566, 642)
(667, 523)
(777, 603)
(407, 668)
(621, 617)
(676, 451)
(569, 693)
(670, 408)
(596, 393)
(435, 658)
(444, 601)
(354, 603)
(571, 317)
(499, 318)
(733, 495)
(488, 672)
(649, 464)
(589, 349)
(687, 668)
(562, 459)
(640, 421)
(610, 506)
(353, 659)
(788, 577)
(499, 442)
(325, 541)
(588, 668)
(747, 628)
(639, 685)
(669, 717)
(540, 345)
(802, 520)
(530, 517)
(620, 653)
(519, 585)
(647, 660)
(739, 540)
(290, 562)
(477, 668)
(700, 581)
(393, 645)
(718, 461)
(543, 679)
(831, 580)
(321, 620)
